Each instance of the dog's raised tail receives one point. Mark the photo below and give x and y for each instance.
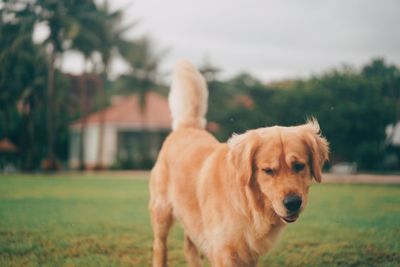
(188, 97)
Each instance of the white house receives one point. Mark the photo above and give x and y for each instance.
(131, 137)
(393, 134)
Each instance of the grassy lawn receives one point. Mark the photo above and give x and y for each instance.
(101, 221)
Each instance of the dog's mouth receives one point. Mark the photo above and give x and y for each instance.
(290, 218)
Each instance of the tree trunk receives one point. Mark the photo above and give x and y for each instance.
(51, 161)
(83, 108)
(31, 135)
(6, 120)
(144, 146)
(100, 144)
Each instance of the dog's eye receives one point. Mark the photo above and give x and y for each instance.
(297, 167)
(268, 171)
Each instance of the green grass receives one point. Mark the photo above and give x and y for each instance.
(104, 221)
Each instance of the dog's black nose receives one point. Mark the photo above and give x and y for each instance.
(292, 203)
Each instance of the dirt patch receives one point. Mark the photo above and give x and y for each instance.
(360, 179)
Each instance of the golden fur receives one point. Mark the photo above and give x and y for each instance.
(227, 196)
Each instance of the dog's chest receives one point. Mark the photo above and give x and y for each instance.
(261, 241)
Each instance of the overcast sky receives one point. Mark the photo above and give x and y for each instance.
(270, 39)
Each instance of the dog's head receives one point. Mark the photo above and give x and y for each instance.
(279, 163)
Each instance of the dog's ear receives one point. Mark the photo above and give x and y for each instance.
(318, 147)
(242, 149)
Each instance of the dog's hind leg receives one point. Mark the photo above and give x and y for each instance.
(161, 216)
(161, 219)
(191, 254)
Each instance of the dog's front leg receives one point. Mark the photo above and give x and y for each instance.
(229, 258)
(191, 254)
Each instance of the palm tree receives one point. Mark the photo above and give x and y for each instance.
(112, 40)
(87, 41)
(22, 73)
(143, 61)
(72, 24)
(142, 77)
(209, 70)
(61, 18)
(16, 36)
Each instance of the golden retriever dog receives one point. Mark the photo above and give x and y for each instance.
(232, 199)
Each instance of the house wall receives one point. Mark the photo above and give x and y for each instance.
(91, 146)
(393, 134)
(74, 148)
(110, 145)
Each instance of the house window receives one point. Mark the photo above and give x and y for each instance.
(138, 149)
(74, 144)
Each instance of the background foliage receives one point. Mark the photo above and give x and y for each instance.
(38, 101)
(353, 107)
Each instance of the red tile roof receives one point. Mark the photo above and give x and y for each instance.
(7, 146)
(127, 111)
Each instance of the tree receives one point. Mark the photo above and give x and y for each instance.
(351, 110)
(141, 78)
(143, 61)
(209, 70)
(386, 78)
(73, 25)
(112, 38)
(60, 17)
(22, 85)
(87, 40)
(352, 107)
